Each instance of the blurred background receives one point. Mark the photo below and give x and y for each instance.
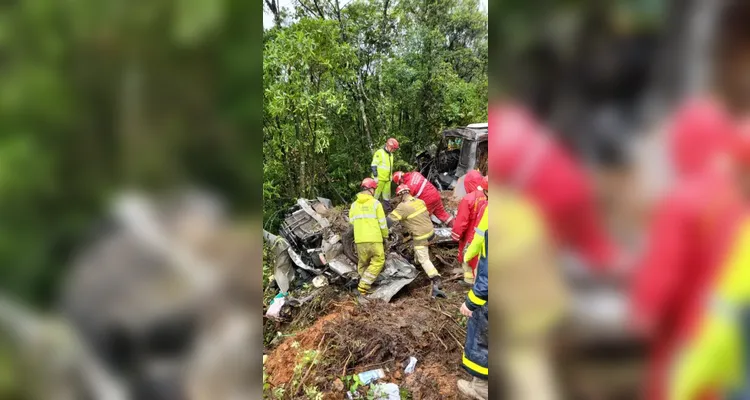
(628, 94)
(152, 104)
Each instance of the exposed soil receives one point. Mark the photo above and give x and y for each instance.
(353, 338)
(450, 203)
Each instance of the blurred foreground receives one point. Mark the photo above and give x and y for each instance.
(159, 305)
(624, 126)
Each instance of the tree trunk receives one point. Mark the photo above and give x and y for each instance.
(361, 96)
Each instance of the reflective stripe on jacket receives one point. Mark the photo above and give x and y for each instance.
(715, 358)
(368, 218)
(477, 296)
(476, 348)
(477, 246)
(412, 213)
(383, 160)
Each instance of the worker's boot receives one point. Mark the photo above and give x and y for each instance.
(436, 289)
(477, 389)
(362, 298)
(362, 295)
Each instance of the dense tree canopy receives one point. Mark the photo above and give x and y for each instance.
(339, 80)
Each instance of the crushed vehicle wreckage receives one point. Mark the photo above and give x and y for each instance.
(459, 151)
(316, 240)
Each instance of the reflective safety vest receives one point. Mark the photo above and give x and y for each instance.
(368, 219)
(716, 359)
(477, 246)
(383, 160)
(412, 213)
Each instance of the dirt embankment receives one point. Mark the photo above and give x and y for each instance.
(354, 338)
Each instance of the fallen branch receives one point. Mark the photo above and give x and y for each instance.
(312, 364)
(440, 340)
(376, 348)
(440, 311)
(454, 338)
(343, 373)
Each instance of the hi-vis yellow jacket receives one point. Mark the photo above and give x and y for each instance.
(368, 218)
(383, 160)
(476, 247)
(415, 218)
(714, 361)
(528, 287)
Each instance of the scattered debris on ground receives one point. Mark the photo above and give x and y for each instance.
(353, 338)
(325, 336)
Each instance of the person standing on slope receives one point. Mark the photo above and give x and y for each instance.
(370, 232)
(382, 170)
(469, 213)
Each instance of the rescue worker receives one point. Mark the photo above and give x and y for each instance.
(467, 218)
(370, 232)
(531, 298)
(422, 189)
(525, 157)
(382, 169)
(714, 358)
(691, 229)
(413, 215)
(475, 359)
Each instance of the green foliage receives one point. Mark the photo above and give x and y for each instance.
(101, 94)
(339, 82)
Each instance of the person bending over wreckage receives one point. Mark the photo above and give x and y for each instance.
(371, 234)
(412, 213)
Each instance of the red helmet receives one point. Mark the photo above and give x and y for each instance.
(402, 188)
(700, 129)
(392, 143)
(369, 183)
(397, 177)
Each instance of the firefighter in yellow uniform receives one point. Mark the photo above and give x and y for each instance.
(413, 215)
(382, 169)
(370, 231)
(529, 295)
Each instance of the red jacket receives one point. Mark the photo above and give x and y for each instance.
(527, 157)
(690, 233)
(469, 212)
(422, 189)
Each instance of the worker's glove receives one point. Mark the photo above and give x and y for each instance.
(374, 171)
(436, 290)
(352, 284)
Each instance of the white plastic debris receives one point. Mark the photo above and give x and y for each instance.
(410, 367)
(320, 281)
(371, 376)
(275, 308)
(386, 391)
